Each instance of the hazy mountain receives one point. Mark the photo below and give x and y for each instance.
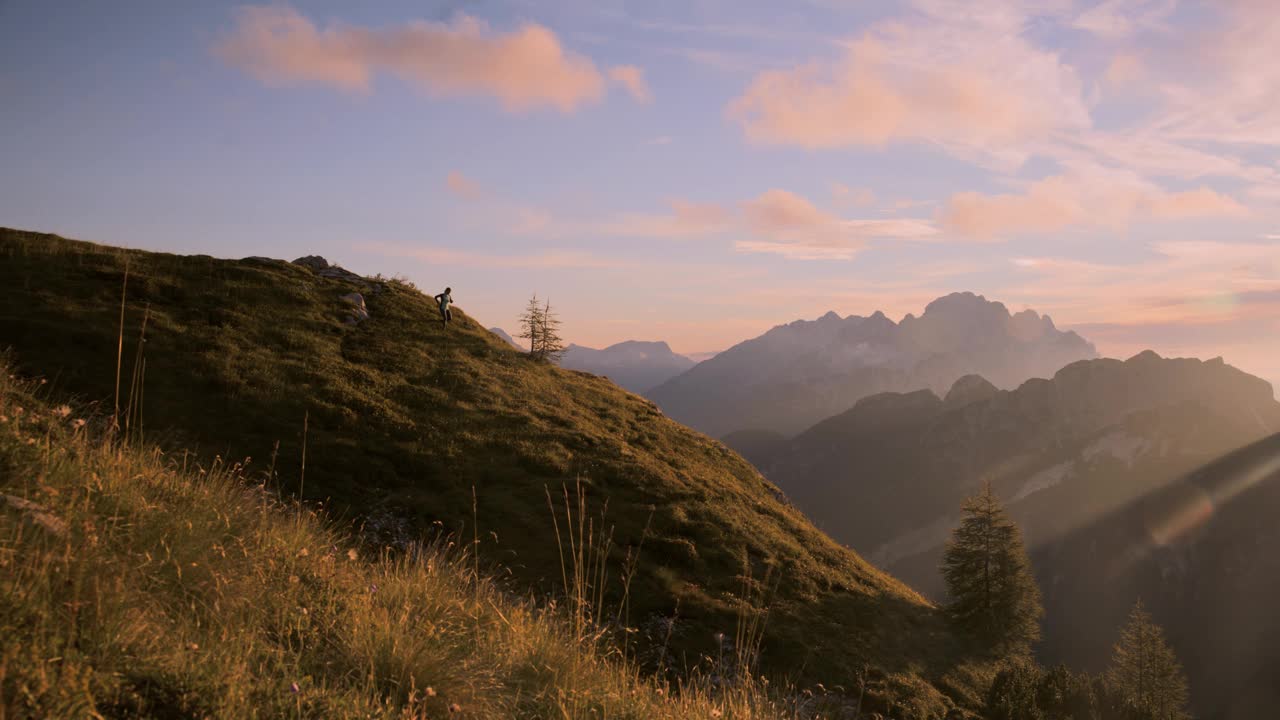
(797, 374)
(635, 365)
(698, 357)
(1066, 454)
(887, 477)
(1203, 553)
(503, 334)
(411, 428)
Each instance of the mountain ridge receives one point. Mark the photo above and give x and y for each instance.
(796, 374)
(637, 365)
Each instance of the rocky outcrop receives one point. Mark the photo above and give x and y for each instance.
(359, 313)
(323, 268)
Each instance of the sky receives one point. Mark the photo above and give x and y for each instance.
(695, 171)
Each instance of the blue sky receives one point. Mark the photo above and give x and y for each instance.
(693, 171)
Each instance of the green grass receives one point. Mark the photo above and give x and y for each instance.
(406, 421)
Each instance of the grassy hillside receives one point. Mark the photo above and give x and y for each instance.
(407, 422)
(132, 588)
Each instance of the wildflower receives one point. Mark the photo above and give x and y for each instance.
(715, 712)
(293, 687)
(4, 418)
(78, 423)
(193, 646)
(660, 692)
(720, 638)
(351, 555)
(31, 441)
(303, 552)
(431, 692)
(455, 708)
(62, 411)
(293, 579)
(373, 588)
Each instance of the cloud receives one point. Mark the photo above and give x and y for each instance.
(1098, 198)
(660, 140)
(787, 224)
(463, 186)
(524, 69)
(632, 78)
(967, 81)
(1125, 69)
(856, 196)
(1119, 19)
(1232, 93)
(1180, 282)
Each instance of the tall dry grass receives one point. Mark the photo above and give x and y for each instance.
(132, 586)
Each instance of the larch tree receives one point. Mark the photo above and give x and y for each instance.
(550, 345)
(531, 322)
(1144, 671)
(993, 595)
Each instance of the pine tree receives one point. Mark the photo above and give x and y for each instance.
(994, 597)
(550, 345)
(1145, 673)
(531, 323)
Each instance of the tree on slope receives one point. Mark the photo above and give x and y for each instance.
(550, 344)
(541, 327)
(531, 326)
(993, 596)
(1145, 673)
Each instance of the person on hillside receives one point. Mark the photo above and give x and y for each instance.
(445, 299)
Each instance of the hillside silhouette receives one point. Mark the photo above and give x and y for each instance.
(412, 428)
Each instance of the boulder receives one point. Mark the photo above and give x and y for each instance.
(313, 262)
(359, 313)
(340, 273)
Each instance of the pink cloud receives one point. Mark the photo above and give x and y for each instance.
(632, 78)
(1124, 70)
(856, 196)
(524, 69)
(463, 186)
(968, 82)
(1092, 198)
(789, 225)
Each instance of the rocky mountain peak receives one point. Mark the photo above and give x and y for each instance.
(969, 389)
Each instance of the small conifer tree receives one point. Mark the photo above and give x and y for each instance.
(550, 345)
(531, 323)
(1144, 672)
(993, 596)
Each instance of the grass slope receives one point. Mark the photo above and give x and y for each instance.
(405, 421)
(132, 588)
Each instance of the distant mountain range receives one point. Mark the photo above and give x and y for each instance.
(1071, 456)
(798, 374)
(503, 334)
(635, 365)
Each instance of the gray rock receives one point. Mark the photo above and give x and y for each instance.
(262, 260)
(359, 313)
(312, 262)
(340, 273)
